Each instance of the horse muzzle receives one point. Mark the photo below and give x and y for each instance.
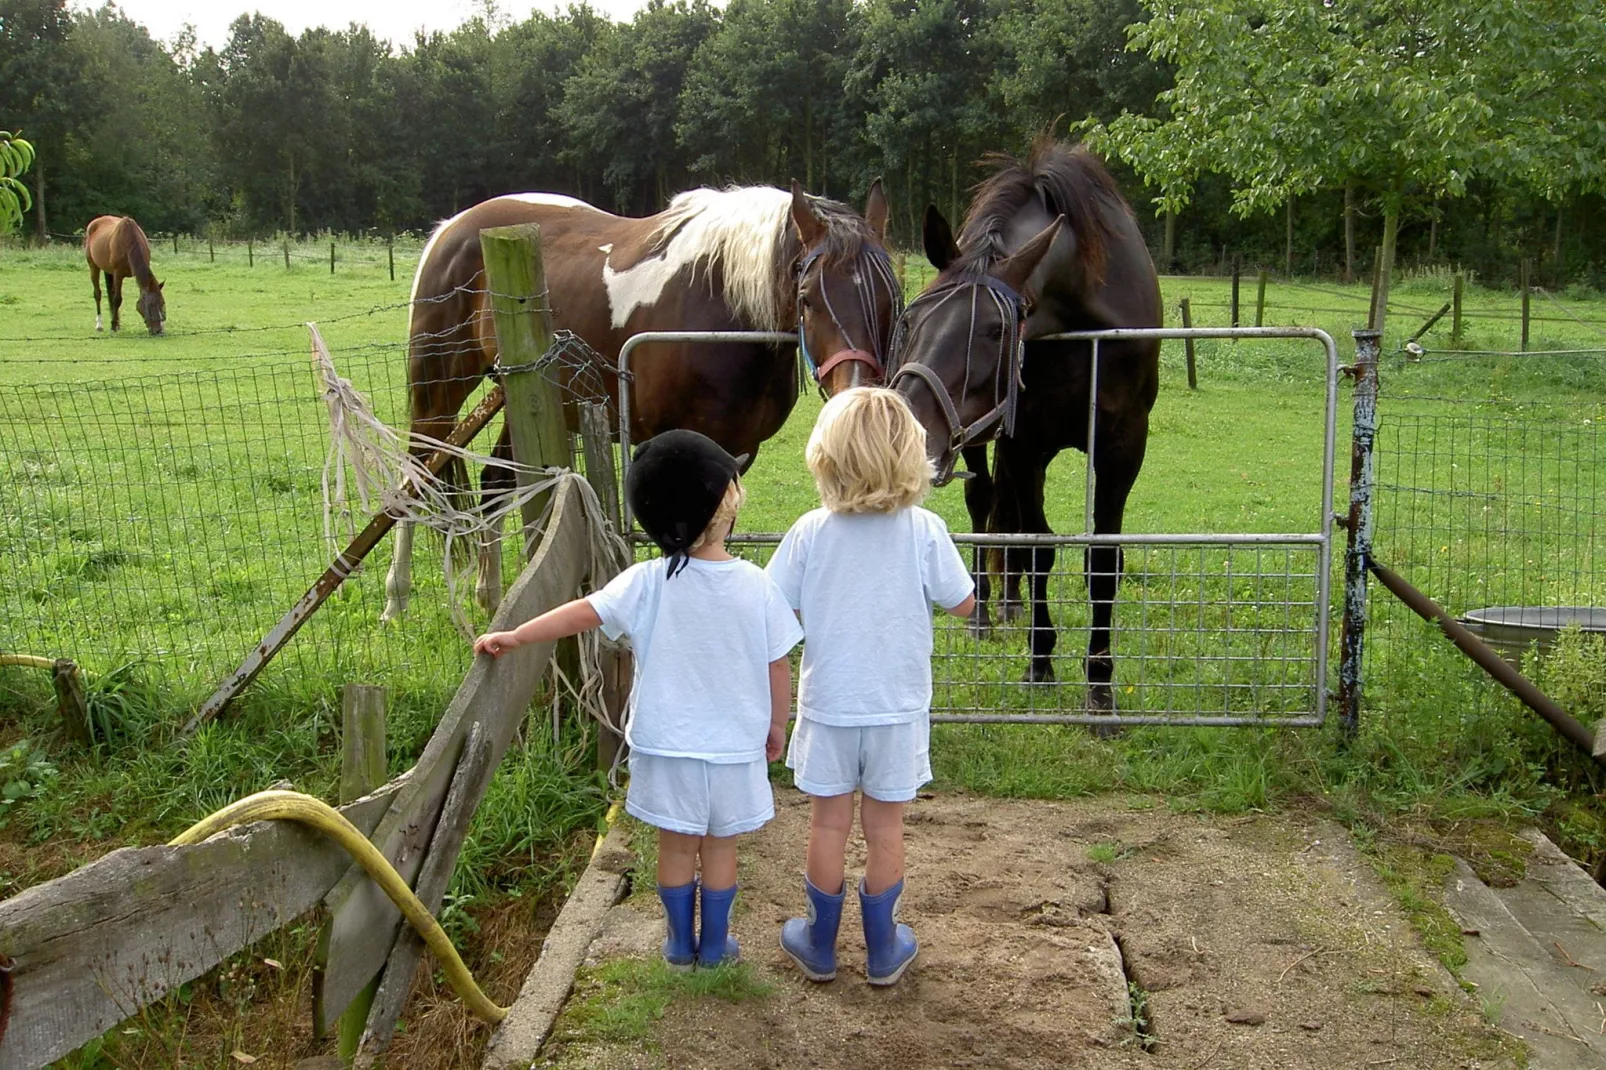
(860, 361)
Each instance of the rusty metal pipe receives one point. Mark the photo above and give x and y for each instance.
(1488, 660)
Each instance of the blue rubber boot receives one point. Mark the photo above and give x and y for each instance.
(891, 947)
(680, 911)
(715, 944)
(811, 942)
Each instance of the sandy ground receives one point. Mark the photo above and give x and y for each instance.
(1239, 942)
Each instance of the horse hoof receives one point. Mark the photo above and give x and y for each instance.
(979, 626)
(1039, 673)
(1009, 611)
(1101, 703)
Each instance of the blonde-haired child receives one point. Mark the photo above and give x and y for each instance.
(864, 571)
(713, 685)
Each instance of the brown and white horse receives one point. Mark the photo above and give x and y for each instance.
(753, 258)
(116, 245)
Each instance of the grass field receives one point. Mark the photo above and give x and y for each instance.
(162, 505)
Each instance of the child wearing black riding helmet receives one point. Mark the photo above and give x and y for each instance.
(712, 689)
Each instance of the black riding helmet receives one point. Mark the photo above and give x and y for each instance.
(676, 482)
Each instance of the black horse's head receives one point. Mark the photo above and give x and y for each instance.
(848, 297)
(153, 307)
(957, 354)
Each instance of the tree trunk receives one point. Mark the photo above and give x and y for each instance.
(1391, 233)
(953, 184)
(1349, 230)
(1433, 234)
(1168, 250)
(292, 198)
(39, 196)
(808, 143)
(1288, 244)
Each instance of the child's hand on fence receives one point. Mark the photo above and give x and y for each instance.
(495, 643)
(776, 742)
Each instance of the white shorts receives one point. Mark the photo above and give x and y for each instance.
(887, 762)
(698, 798)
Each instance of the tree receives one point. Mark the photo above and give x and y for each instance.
(1410, 99)
(16, 156)
(39, 83)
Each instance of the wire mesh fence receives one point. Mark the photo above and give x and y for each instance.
(166, 514)
(1488, 499)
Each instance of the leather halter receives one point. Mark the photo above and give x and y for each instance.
(1000, 419)
(878, 261)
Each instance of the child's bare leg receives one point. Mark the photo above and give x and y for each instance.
(719, 861)
(830, 823)
(677, 858)
(883, 837)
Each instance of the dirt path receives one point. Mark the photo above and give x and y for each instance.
(1108, 932)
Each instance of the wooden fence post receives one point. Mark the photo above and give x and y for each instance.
(175, 243)
(517, 281)
(1455, 303)
(362, 769)
(390, 254)
(596, 441)
(331, 258)
(1237, 272)
(1187, 321)
(287, 255)
(250, 253)
(1260, 300)
(71, 704)
(211, 253)
(1523, 283)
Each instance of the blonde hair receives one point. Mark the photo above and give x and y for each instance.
(868, 453)
(724, 518)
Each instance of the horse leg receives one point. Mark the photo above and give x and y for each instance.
(1010, 518)
(1118, 459)
(94, 281)
(496, 482)
(979, 503)
(114, 288)
(399, 580)
(1020, 475)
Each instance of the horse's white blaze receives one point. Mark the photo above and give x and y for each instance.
(740, 229)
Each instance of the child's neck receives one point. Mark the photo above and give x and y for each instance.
(713, 549)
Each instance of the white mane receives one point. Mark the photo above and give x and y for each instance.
(740, 229)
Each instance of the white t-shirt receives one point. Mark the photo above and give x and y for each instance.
(865, 583)
(703, 643)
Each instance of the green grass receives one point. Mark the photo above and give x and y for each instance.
(619, 1001)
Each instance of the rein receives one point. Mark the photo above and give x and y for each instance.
(1000, 419)
(874, 267)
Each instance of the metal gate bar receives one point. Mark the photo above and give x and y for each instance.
(647, 338)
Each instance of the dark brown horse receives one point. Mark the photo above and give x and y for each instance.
(1048, 245)
(752, 258)
(116, 245)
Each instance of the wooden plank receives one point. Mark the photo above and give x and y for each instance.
(471, 779)
(496, 692)
(96, 945)
(516, 279)
(596, 440)
(362, 767)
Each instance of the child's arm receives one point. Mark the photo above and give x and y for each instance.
(780, 706)
(569, 619)
(963, 609)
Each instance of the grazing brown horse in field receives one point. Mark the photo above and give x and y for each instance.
(1048, 246)
(754, 258)
(116, 245)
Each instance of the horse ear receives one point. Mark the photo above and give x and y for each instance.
(810, 228)
(160, 285)
(941, 249)
(1018, 268)
(876, 211)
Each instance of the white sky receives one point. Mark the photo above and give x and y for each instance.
(393, 19)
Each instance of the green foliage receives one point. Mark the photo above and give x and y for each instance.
(16, 156)
(25, 773)
(620, 1000)
(1573, 672)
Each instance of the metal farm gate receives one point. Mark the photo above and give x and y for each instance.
(1210, 628)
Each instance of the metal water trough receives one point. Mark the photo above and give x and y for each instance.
(1511, 630)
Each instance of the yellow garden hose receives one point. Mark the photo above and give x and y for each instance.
(294, 806)
(27, 661)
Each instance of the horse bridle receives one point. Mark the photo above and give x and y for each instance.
(1000, 419)
(874, 266)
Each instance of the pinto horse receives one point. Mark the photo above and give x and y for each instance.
(753, 258)
(1048, 245)
(116, 245)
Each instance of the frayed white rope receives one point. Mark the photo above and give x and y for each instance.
(389, 475)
